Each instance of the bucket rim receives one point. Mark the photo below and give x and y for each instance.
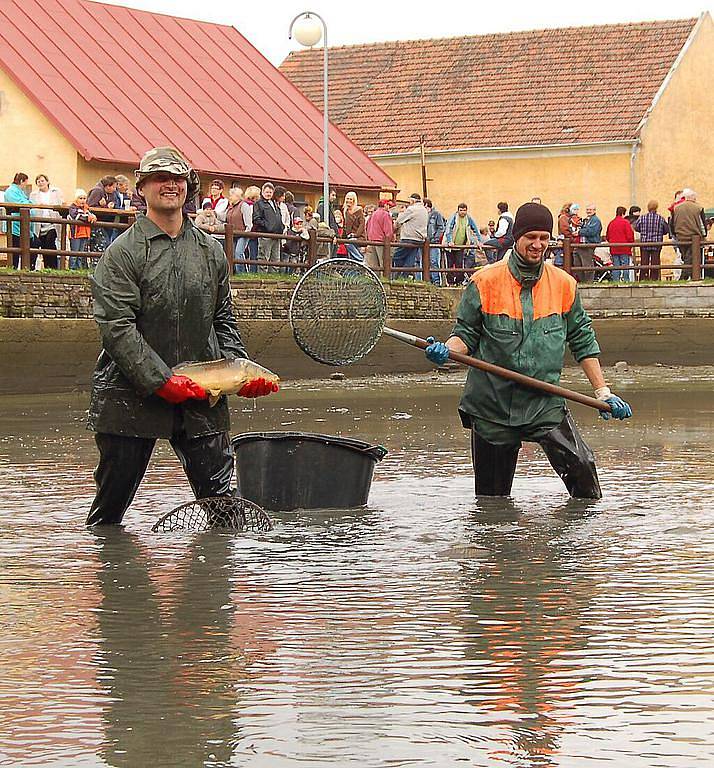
(361, 446)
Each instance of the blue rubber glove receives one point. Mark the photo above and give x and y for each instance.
(437, 351)
(620, 409)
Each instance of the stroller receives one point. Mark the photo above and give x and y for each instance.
(602, 258)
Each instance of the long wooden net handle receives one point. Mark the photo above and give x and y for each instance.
(504, 373)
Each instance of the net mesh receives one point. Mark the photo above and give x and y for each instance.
(228, 513)
(337, 311)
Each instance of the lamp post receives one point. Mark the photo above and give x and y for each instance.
(306, 30)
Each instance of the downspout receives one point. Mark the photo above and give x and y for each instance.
(633, 172)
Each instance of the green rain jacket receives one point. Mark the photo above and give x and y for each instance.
(522, 323)
(159, 302)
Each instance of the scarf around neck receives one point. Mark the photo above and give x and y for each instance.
(525, 272)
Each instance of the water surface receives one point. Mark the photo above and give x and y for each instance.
(429, 629)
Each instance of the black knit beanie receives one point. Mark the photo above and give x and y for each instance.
(532, 217)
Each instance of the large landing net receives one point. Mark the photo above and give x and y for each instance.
(223, 513)
(337, 311)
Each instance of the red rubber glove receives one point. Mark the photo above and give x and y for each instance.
(258, 388)
(180, 388)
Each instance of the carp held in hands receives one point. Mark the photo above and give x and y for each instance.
(226, 377)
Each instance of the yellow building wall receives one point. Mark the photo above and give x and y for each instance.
(603, 179)
(678, 138)
(30, 142)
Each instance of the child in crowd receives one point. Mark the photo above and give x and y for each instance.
(207, 220)
(295, 250)
(79, 233)
(312, 219)
(479, 252)
(341, 248)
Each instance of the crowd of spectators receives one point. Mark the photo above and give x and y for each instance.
(616, 250)
(112, 193)
(271, 211)
(268, 210)
(455, 241)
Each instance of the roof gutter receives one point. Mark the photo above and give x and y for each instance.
(446, 153)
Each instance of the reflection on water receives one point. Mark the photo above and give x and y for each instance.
(431, 628)
(168, 658)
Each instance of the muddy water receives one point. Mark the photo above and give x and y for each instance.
(429, 629)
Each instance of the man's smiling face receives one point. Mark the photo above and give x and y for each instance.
(533, 245)
(164, 191)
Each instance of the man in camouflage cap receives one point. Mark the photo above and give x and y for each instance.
(161, 297)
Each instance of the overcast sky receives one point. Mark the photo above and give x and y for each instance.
(266, 23)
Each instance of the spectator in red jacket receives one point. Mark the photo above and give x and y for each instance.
(379, 229)
(619, 230)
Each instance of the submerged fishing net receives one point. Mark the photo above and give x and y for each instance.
(227, 513)
(337, 311)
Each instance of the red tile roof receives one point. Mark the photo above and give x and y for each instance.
(552, 86)
(200, 87)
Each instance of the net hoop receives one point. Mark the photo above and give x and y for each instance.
(221, 513)
(337, 311)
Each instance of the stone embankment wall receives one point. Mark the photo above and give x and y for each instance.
(49, 342)
(38, 295)
(653, 301)
(270, 300)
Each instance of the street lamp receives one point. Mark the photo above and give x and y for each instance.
(307, 28)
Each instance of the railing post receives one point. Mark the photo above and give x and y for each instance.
(426, 261)
(63, 245)
(387, 259)
(567, 256)
(25, 258)
(697, 257)
(312, 247)
(228, 246)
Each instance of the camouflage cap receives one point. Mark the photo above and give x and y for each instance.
(167, 160)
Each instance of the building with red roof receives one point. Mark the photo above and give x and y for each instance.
(76, 102)
(612, 114)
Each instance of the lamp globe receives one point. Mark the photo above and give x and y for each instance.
(307, 31)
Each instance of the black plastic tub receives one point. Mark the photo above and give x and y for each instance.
(298, 470)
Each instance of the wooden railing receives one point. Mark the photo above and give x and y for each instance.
(695, 270)
(26, 216)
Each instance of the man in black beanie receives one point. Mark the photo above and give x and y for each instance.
(519, 313)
